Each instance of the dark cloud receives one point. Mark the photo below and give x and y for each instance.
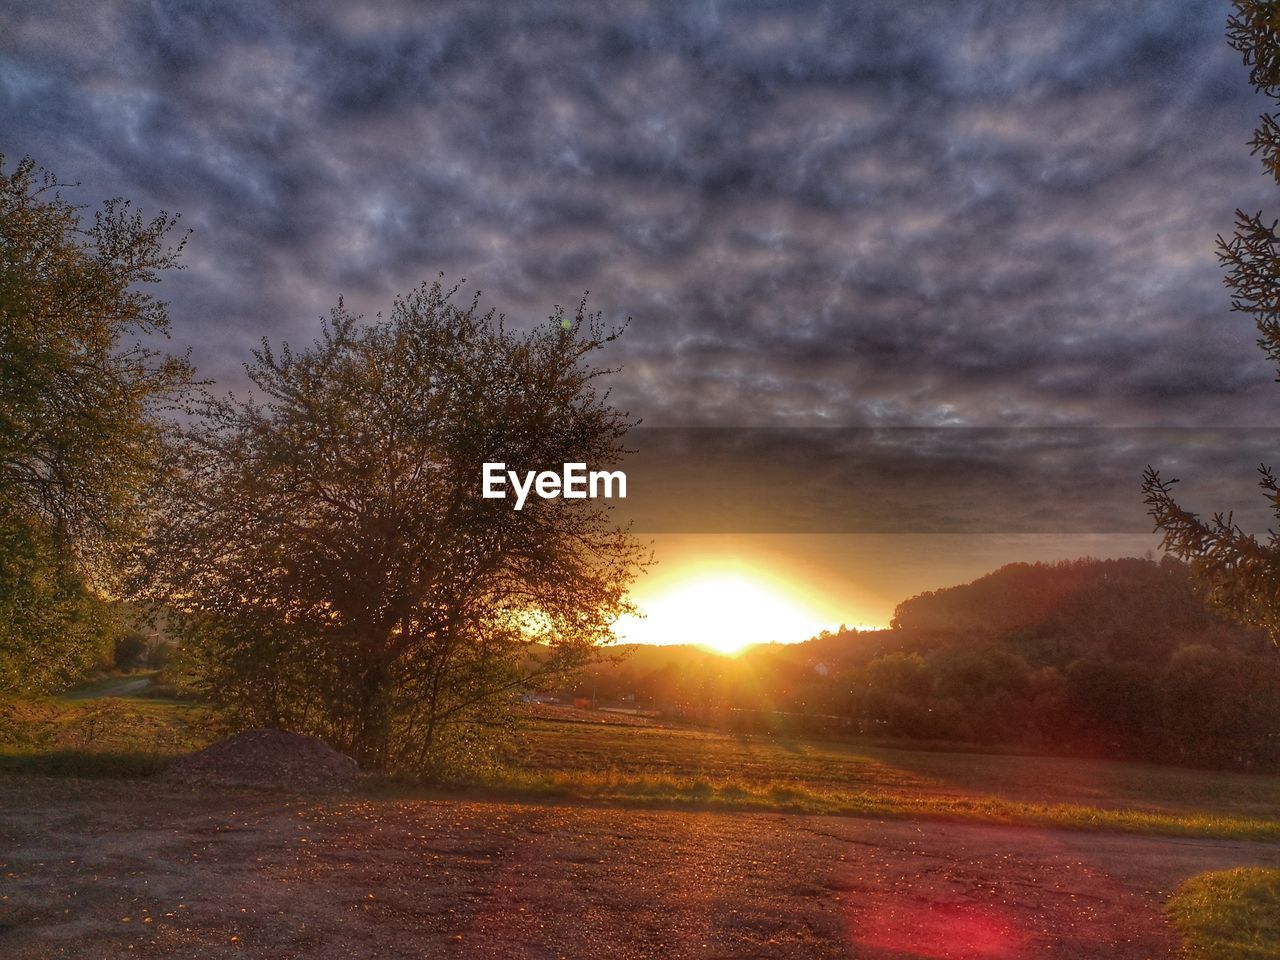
(1078, 481)
(863, 213)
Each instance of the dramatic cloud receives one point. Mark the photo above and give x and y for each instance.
(850, 213)
(858, 214)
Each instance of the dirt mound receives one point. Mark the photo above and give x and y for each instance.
(267, 758)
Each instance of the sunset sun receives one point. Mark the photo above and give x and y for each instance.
(724, 611)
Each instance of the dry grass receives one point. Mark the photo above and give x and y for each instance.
(1229, 915)
(792, 797)
(571, 751)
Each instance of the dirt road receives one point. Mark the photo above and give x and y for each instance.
(120, 869)
(120, 687)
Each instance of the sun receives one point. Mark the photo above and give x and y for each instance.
(726, 612)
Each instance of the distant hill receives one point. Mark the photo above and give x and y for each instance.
(1053, 613)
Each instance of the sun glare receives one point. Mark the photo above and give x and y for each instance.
(725, 612)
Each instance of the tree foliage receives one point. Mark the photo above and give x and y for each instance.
(79, 388)
(1239, 572)
(336, 568)
(80, 395)
(53, 626)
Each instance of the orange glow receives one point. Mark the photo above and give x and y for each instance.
(951, 930)
(726, 611)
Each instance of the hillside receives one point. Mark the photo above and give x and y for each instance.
(1053, 613)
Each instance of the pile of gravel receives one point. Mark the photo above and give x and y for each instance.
(267, 758)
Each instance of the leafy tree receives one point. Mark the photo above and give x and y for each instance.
(53, 627)
(79, 398)
(79, 391)
(904, 673)
(1240, 574)
(329, 553)
(1220, 707)
(1114, 701)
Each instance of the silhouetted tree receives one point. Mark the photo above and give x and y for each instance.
(1240, 574)
(1115, 702)
(330, 556)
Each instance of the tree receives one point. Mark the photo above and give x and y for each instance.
(1239, 573)
(329, 554)
(79, 391)
(80, 397)
(53, 627)
(1220, 707)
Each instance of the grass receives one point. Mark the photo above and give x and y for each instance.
(570, 751)
(107, 737)
(674, 766)
(659, 766)
(103, 685)
(664, 791)
(1229, 915)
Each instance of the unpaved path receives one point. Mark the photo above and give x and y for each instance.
(123, 687)
(131, 869)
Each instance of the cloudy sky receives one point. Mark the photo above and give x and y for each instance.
(868, 214)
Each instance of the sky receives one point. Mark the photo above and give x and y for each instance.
(867, 215)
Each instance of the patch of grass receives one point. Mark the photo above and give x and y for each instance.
(668, 791)
(672, 766)
(104, 737)
(679, 767)
(104, 685)
(1229, 915)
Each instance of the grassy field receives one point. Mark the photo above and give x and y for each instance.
(1229, 915)
(569, 747)
(660, 765)
(588, 803)
(573, 755)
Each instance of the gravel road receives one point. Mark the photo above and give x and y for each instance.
(135, 869)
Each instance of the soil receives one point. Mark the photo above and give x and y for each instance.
(267, 758)
(139, 869)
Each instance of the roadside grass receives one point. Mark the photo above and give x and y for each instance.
(124, 765)
(569, 750)
(665, 791)
(1229, 915)
(105, 737)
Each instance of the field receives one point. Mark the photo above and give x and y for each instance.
(607, 837)
(576, 756)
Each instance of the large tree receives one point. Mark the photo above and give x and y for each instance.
(329, 554)
(1240, 573)
(81, 394)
